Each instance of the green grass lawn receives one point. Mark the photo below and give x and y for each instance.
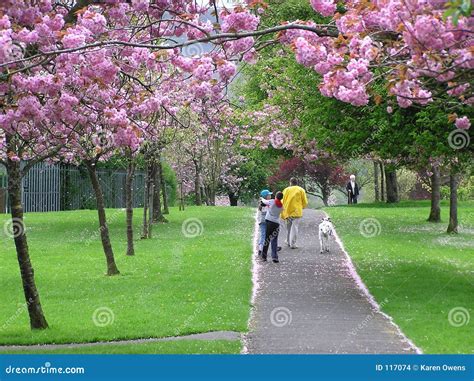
(423, 272)
(173, 286)
(168, 347)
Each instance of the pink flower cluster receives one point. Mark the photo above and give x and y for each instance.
(410, 41)
(227, 70)
(324, 7)
(308, 54)
(238, 20)
(463, 123)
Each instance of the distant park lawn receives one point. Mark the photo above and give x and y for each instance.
(174, 285)
(421, 271)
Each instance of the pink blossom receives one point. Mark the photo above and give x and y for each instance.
(463, 123)
(5, 22)
(94, 22)
(202, 90)
(204, 70)
(307, 54)
(226, 70)
(239, 21)
(73, 39)
(325, 7)
(350, 23)
(140, 5)
(250, 56)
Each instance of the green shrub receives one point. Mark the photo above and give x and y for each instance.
(171, 183)
(465, 190)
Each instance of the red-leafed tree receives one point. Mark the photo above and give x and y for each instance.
(319, 176)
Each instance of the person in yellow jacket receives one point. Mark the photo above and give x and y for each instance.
(294, 201)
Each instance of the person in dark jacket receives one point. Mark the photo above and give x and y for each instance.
(272, 220)
(262, 213)
(352, 190)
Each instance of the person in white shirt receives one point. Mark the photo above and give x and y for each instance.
(352, 190)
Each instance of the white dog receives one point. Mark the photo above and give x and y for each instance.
(326, 230)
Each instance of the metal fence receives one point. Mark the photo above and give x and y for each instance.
(47, 188)
(3, 190)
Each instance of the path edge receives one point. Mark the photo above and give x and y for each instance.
(364, 289)
(201, 336)
(255, 285)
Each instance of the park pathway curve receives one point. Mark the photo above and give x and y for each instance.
(315, 303)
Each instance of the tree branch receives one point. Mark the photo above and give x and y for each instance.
(325, 30)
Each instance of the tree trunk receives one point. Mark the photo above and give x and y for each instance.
(453, 202)
(435, 213)
(233, 199)
(129, 206)
(382, 182)
(156, 193)
(204, 195)
(151, 194)
(157, 214)
(33, 303)
(145, 207)
(164, 192)
(325, 196)
(104, 229)
(211, 196)
(181, 197)
(392, 185)
(376, 182)
(197, 184)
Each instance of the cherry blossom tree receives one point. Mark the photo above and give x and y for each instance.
(70, 73)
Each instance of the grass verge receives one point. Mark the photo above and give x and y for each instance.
(176, 284)
(425, 276)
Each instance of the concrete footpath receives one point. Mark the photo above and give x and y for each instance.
(314, 303)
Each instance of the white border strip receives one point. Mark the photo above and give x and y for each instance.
(255, 281)
(361, 285)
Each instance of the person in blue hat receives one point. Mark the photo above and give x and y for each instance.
(262, 223)
(272, 220)
(262, 212)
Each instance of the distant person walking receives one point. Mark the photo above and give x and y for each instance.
(352, 190)
(294, 201)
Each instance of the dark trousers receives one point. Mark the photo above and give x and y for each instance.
(352, 199)
(271, 236)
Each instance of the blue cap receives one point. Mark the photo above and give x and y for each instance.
(265, 193)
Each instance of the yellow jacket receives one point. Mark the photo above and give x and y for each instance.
(294, 201)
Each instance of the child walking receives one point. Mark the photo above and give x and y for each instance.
(262, 213)
(272, 221)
